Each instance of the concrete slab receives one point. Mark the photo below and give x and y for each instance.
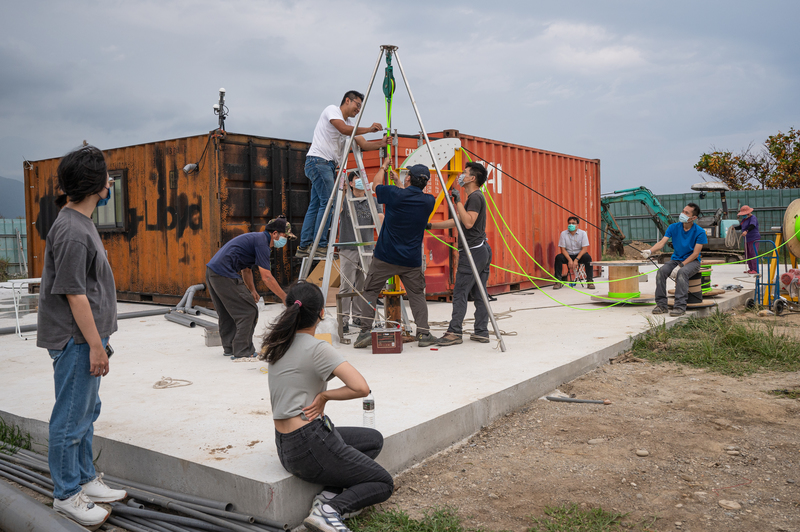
(215, 438)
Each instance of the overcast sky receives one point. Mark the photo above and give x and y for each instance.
(644, 86)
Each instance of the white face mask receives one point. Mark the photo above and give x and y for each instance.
(683, 218)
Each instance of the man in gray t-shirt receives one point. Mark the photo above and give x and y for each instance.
(573, 247)
(472, 216)
(75, 263)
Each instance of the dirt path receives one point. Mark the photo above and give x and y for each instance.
(708, 439)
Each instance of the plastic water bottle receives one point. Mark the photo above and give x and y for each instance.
(369, 411)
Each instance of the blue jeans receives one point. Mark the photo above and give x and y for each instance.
(71, 423)
(321, 174)
(341, 459)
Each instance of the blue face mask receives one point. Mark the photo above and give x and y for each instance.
(683, 218)
(358, 184)
(280, 242)
(104, 201)
(461, 179)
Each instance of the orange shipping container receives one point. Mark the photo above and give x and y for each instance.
(164, 224)
(519, 180)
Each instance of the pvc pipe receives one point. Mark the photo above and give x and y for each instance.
(28, 485)
(154, 495)
(179, 318)
(126, 524)
(118, 508)
(124, 316)
(242, 518)
(147, 523)
(192, 290)
(206, 311)
(39, 478)
(172, 527)
(26, 475)
(133, 503)
(22, 512)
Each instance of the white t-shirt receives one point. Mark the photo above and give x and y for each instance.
(573, 243)
(328, 143)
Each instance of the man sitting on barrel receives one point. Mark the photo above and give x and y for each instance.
(687, 241)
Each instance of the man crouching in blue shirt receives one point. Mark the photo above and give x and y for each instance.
(399, 250)
(687, 241)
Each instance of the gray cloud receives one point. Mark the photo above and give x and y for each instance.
(646, 88)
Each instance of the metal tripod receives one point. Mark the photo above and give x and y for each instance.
(305, 269)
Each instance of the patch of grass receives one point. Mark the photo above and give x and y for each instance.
(12, 438)
(720, 344)
(789, 394)
(572, 518)
(444, 519)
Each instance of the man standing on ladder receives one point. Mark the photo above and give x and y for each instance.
(399, 250)
(472, 215)
(334, 126)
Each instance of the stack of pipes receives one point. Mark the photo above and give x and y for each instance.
(185, 314)
(187, 513)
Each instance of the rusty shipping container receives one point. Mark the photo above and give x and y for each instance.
(163, 225)
(533, 223)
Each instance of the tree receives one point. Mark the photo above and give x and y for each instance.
(777, 165)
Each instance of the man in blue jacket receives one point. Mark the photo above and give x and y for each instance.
(399, 250)
(229, 281)
(687, 241)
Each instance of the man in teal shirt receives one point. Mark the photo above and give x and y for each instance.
(687, 241)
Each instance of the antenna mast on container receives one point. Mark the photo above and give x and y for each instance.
(220, 109)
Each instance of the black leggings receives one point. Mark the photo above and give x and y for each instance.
(339, 458)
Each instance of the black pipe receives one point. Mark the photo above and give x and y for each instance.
(118, 508)
(152, 492)
(23, 512)
(126, 524)
(124, 316)
(28, 485)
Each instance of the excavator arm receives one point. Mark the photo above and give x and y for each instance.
(643, 195)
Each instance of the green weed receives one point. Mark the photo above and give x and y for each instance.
(572, 518)
(12, 438)
(444, 519)
(719, 343)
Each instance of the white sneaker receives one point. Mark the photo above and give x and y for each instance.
(323, 518)
(324, 497)
(97, 491)
(81, 510)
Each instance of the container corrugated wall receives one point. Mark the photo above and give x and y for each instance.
(769, 205)
(571, 183)
(167, 225)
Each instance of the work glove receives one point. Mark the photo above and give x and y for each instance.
(456, 195)
(428, 226)
(646, 254)
(674, 274)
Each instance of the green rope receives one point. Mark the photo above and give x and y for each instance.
(388, 92)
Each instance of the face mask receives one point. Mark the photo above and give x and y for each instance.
(104, 201)
(683, 218)
(572, 227)
(280, 242)
(461, 179)
(358, 184)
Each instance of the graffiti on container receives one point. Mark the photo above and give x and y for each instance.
(178, 217)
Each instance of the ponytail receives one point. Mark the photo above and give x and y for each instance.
(303, 312)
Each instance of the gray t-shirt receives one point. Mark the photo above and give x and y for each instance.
(476, 235)
(75, 263)
(347, 234)
(300, 374)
